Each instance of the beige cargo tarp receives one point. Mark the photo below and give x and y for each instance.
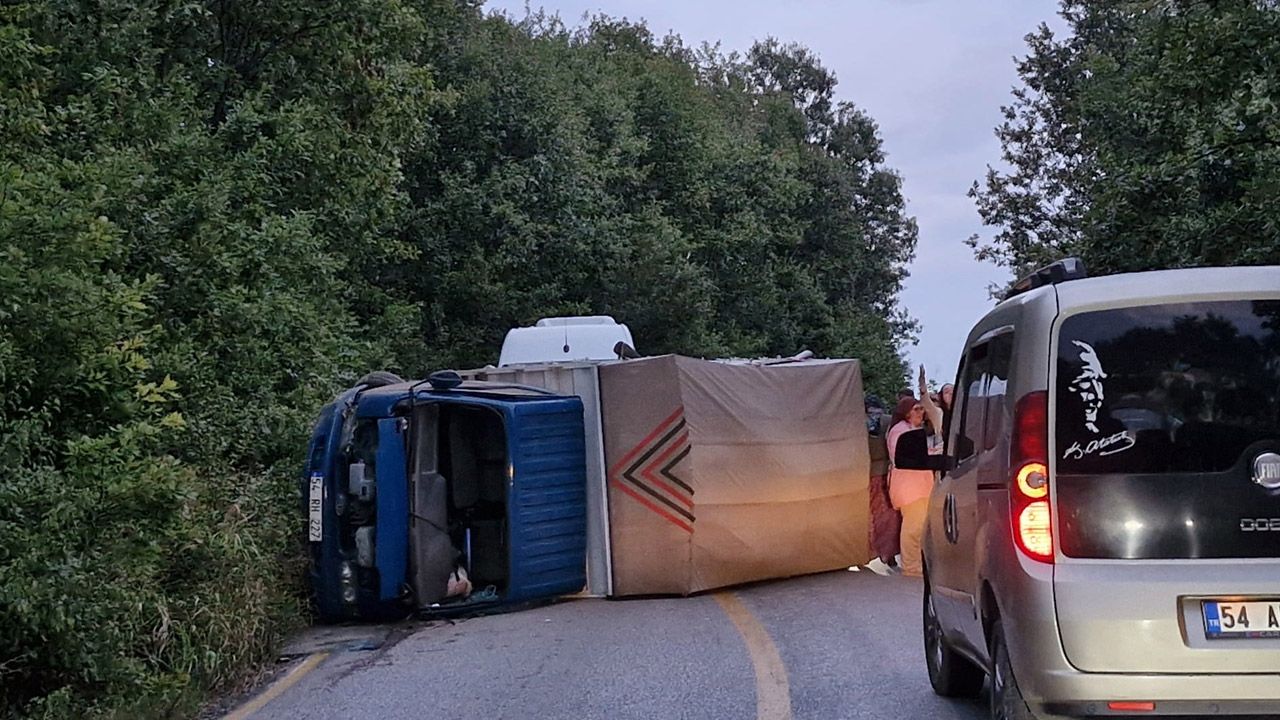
(727, 473)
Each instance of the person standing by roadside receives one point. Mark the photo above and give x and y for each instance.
(886, 523)
(909, 489)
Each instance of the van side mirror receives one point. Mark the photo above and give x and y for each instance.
(912, 453)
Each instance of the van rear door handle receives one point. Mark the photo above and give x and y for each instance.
(949, 519)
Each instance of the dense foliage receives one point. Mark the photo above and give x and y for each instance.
(718, 205)
(214, 214)
(1147, 138)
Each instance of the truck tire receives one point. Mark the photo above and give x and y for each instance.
(950, 673)
(378, 378)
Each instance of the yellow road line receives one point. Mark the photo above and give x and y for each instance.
(277, 688)
(773, 693)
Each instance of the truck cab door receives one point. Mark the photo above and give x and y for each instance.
(391, 545)
(548, 498)
(431, 553)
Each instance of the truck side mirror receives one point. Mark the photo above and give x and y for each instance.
(912, 453)
(624, 351)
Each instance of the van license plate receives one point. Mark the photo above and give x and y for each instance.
(1244, 619)
(315, 509)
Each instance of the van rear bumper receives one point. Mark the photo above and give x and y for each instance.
(1078, 694)
(1257, 709)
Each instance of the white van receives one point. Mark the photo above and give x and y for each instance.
(1104, 538)
(565, 339)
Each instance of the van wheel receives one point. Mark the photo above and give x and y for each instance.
(1006, 699)
(379, 378)
(950, 674)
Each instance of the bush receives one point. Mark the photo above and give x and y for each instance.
(183, 230)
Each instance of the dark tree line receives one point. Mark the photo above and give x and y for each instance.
(719, 205)
(213, 214)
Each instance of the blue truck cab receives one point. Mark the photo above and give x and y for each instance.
(408, 482)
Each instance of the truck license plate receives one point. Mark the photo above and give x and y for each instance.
(1241, 619)
(315, 509)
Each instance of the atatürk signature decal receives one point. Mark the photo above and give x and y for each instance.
(1101, 447)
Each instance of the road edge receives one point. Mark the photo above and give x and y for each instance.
(277, 688)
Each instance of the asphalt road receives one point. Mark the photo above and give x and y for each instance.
(839, 645)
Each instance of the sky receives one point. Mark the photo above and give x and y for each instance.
(932, 73)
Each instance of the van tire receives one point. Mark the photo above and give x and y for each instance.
(950, 673)
(1007, 702)
(379, 378)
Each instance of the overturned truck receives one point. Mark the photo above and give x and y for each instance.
(663, 475)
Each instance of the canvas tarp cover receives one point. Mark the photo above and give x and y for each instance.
(722, 474)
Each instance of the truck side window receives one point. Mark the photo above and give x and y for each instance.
(970, 402)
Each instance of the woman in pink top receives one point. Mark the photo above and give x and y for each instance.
(909, 489)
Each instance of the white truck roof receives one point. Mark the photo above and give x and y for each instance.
(564, 339)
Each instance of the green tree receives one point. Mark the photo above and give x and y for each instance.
(193, 199)
(1146, 138)
(720, 205)
(853, 238)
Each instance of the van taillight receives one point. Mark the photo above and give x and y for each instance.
(1030, 430)
(1035, 534)
(1029, 486)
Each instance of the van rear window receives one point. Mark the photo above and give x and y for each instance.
(1171, 388)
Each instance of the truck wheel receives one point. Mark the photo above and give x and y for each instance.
(1006, 699)
(950, 674)
(378, 378)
